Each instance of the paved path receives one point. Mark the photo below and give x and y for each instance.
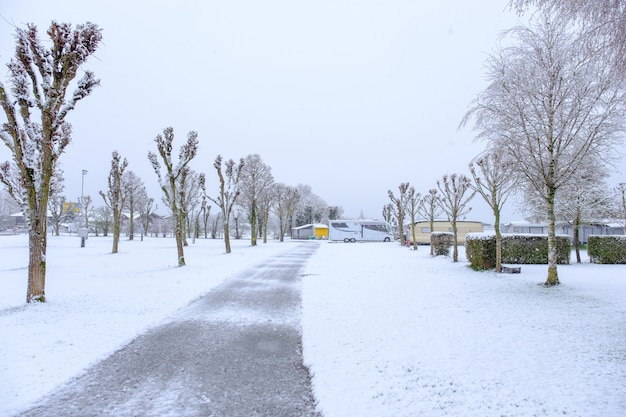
(234, 352)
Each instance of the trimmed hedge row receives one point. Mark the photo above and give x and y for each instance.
(607, 249)
(441, 243)
(480, 249)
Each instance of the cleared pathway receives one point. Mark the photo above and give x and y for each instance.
(234, 352)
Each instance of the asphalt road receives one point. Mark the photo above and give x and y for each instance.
(234, 352)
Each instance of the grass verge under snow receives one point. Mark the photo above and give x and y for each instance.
(393, 332)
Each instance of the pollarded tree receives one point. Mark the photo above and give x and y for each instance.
(413, 202)
(430, 209)
(494, 182)
(398, 207)
(553, 103)
(174, 180)
(453, 201)
(35, 130)
(230, 183)
(114, 198)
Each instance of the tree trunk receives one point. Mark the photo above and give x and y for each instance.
(227, 237)
(432, 224)
(496, 228)
(116, 231)
(253, 225)
(37, 257)
(576, 238)
(131, 224)
(553, 276)
(179, 224)
(455, 251)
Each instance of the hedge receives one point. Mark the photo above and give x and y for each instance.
(607, 249)
(480, 249)
(441, 243)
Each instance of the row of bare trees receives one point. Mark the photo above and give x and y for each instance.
(247, 183)
(45, 84)
(552, 115)
(451, 197)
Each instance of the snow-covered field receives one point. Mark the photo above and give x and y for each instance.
(386, 331)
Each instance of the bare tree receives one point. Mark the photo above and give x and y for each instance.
(39, 80)
(56, 202)
(603, 20)
(174, 181)
(230, 183)
(285, 204)
(430, 209)
(264, 207)
(256, 183)
(398, 206)
(584, 199)
(146, 208)
(387, 213)
(114, 197)
(103, 216)
(135, 194)
(86, 208)
(453, 201)
(413, 202)
(194, 195)
(552, 103)
(205, 211)
(494, 181)
(311, 207)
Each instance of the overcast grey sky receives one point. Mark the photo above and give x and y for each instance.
(349, 97)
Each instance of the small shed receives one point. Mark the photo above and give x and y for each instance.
(310, 231)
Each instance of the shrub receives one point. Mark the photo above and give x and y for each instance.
(441, 243)
(516, 249)
(607, 249)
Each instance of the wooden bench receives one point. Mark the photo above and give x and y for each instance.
(511, 269)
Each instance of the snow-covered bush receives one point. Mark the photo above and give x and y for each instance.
(441, 243)
(607, 249)
(516, 249)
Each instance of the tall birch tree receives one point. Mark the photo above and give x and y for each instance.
(553, 102)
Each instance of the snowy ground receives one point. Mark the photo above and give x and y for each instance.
(387, 331)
